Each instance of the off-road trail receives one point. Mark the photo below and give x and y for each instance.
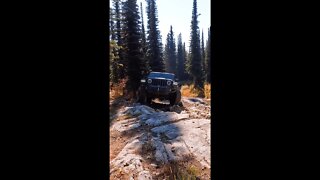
(159, 141)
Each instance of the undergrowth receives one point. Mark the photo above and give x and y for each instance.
(177, 171)
(191, 91)
(117, 89)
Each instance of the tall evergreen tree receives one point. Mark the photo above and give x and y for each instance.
(154, 53)
(132, 45)
(166, 53)
(112, 35)
(114, 62)
(117, 17)
(180, 59)
(195, 51)
(118, 38)
(203, 55)
(142, 25)
(186, 62)
(208, 57)
(113, 51)
(170, 53)
(145, 67)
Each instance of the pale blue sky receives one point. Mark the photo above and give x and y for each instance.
(178, 13)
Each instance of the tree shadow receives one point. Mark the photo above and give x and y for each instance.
(185, 168)
(196, 100)
(166, 107)
(160, 105)
(114, 107)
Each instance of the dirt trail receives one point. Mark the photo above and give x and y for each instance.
(161, 142)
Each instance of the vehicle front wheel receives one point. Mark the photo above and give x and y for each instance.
(175, 98)
(149, 100)
(178, 98)
(142, 96)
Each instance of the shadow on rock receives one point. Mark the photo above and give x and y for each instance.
(160, 105)
(165, 106)
(155, 143)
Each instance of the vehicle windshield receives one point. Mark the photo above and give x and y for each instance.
(161, 75)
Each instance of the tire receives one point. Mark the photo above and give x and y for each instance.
(175, 98)
(148, 100)
(178, 98)
(142, 96)
(172, 99)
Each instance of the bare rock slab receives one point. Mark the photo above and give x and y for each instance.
(126, 125)
(129, 161)
(170, 131)
(160, 118)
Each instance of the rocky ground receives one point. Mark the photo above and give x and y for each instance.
(159, 141)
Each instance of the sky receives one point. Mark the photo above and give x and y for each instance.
(178, 13)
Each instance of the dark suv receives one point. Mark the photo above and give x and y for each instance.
(160, 85)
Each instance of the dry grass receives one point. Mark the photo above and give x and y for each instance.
(124, 117)
(117, 90)
(190, 91)
(181, 171)
(207, 90)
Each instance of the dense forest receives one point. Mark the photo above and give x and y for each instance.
(136, 51)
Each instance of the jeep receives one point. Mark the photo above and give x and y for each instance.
(160, 85)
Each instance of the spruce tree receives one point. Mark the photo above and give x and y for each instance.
(113, 49)
(145, 64)
(185, 58)
(142, 25)
(170, 53)
(121, 72)
(154, 52)
(208, 57)
(195, 50)
(166, 53)
(203, 55)
(180, 59)
(132, 45)
(112, 35)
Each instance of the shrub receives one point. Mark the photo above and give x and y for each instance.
(207, 91)
(117, 90)
(190, 91)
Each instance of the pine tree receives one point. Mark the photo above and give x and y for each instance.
(203, 55)
(132, 45)
(195, 50)
(145, 67)
(114, 62)
(170, 53)
(208, 57)
(118, 38)
(180, 59)
(166, 53)
(112, 35)
(154, 53)
(117, 17)
(186, 62)
(113, 49)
